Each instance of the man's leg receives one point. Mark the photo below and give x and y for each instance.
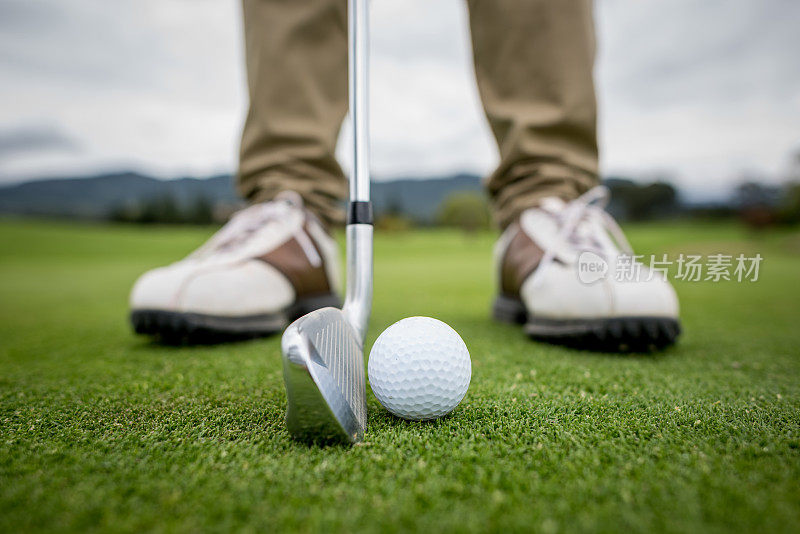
(274, 261)
(297, 81)
(533, 63)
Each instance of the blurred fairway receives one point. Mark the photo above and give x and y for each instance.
(102, 430)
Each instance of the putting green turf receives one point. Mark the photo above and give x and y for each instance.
(102, 430)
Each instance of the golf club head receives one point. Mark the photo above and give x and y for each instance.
(323, 368)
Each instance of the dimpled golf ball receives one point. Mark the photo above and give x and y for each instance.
(419, 368)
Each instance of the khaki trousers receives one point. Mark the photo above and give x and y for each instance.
(533, 64)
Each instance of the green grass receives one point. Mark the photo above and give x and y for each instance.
(102, 430)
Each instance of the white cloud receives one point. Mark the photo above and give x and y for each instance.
(152, 84)
(706, 89)
(703, 90)
(426, 115)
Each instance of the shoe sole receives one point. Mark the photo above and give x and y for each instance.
(616, 334)
(181, 328)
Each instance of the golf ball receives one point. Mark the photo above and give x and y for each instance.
(419, 368)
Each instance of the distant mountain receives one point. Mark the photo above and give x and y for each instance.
(122, 196)
(98, 197)
(419, 199)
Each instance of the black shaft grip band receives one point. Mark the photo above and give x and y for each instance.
(360, 212)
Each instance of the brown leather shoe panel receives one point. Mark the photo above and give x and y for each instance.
(521, 259)
(291, 260)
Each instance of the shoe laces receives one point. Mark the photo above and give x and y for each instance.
(584, 225)
(245, 223)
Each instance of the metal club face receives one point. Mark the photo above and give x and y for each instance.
(323, 368)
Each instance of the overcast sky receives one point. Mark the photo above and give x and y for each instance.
(701, 90)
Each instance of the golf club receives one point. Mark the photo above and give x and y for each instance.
(323, 362)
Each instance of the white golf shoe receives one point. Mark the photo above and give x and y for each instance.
(271, 263)
(567, 272)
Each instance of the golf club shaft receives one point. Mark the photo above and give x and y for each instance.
(358, 300)
(358, 36)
